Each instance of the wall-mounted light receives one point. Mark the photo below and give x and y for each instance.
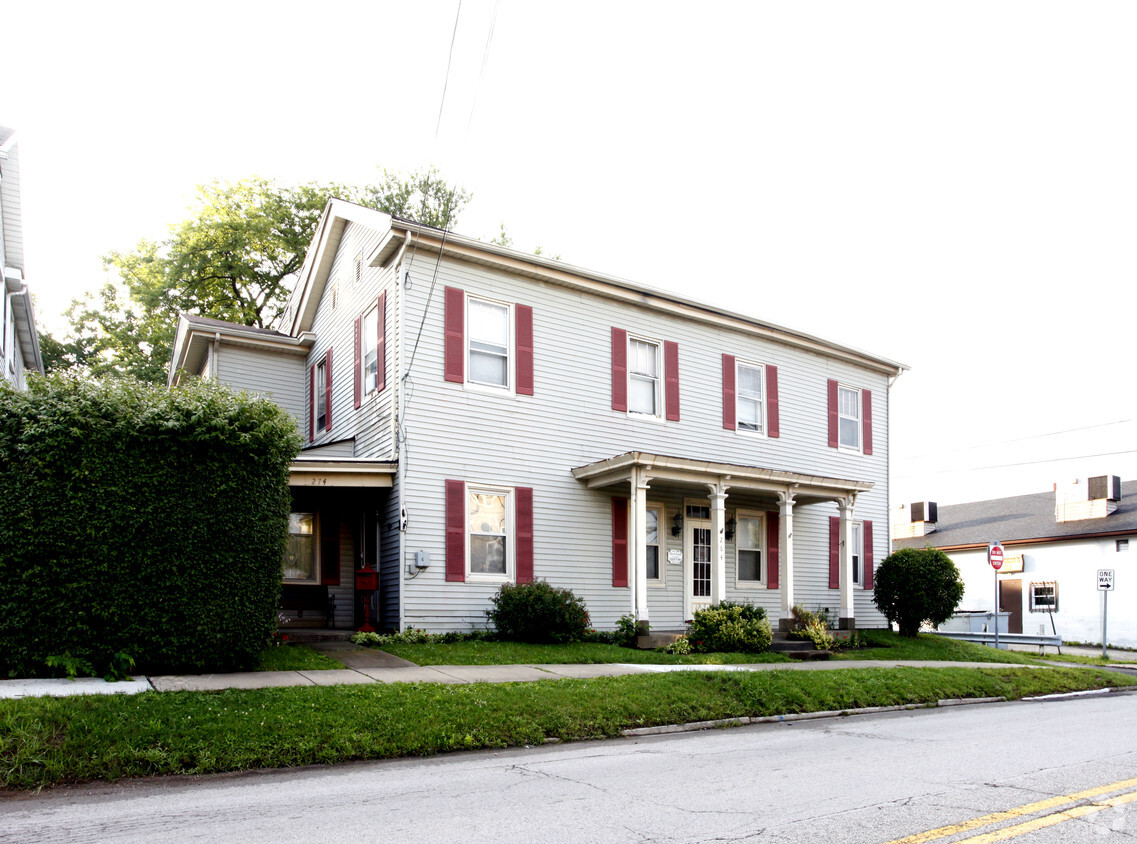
(677, 523)
(731, 524)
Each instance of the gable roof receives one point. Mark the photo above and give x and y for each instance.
(196, 333)
(1021, 519)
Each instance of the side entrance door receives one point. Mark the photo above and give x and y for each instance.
(1011, 600)
(697, 569)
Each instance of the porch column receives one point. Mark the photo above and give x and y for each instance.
(638, 528)
(846, 620)
(718, 541)
(786, 557)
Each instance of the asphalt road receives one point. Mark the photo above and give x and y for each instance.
(857, 778)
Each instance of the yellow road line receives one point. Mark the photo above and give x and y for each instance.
(1009, 814)
(1051, 820)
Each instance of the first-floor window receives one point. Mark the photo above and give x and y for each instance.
(748, 547)
(856, 552)
(300, 556)
(488, 524)
(1044, 596)
(652, 530)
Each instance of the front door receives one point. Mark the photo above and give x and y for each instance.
(1011, 600)
(698, 570)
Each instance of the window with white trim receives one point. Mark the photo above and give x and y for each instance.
(654, 519)
(1044, 596)
(857, 551)
(369, 351)
(489, 524)
(750, 540)
(300, 555)
(644, 382)
(321, 396)
(489, 341)
(751, 409)
(849, 417)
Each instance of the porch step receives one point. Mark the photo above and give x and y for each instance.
(796, 648)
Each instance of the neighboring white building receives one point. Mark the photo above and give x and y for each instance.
(478, 416)
(19, 342)
(1055, 543)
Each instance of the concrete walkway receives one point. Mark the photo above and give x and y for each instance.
(367, 665)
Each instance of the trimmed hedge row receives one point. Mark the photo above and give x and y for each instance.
(140, 520)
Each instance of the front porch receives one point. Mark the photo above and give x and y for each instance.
(727, 531)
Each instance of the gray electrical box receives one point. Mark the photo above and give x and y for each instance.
(422, 559)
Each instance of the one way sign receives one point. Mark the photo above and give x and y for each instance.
(1105, 580)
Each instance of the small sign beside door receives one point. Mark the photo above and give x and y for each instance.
(675, 557)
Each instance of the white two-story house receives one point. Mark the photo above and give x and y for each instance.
(477, 416)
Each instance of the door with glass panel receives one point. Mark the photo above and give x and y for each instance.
(698, 569)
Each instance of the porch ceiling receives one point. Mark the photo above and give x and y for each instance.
(685, 471)
(341, 472)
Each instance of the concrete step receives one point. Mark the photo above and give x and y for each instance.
(308, 635)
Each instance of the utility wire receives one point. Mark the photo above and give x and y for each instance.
(1015, 465)
(1016, 440)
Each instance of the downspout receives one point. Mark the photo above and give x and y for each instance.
(213, 355)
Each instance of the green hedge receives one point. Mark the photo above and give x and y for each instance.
(140, 520)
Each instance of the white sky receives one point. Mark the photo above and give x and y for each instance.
(949, 185)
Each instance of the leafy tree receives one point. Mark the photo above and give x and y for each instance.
(234, 257)
(914, 585)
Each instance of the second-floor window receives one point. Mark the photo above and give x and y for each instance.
(643, 377)
(369, 353)
(849, 417)
(488, 342)
(750, 404)
(321, 391)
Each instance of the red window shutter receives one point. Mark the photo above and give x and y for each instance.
(833, 442)
(772, 429)
(329, 548)
(312, 403)
(455, 531)
(523, 317)
(773, 546)
(455, 326)
(619, 542)
(358, 361)
(866, 529)
(866, 419)
(619, 370)
(328, 391)
(523, 512)
(834, 552)
(729, 407)
(671, 379)
(381, 344)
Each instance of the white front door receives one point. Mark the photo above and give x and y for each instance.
(698, 570)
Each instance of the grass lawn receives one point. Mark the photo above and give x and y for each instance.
(518, 653)
(45, 741)
(294, 658)
(887, 645)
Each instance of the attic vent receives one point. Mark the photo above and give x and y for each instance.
(335, 295)
(357, 269)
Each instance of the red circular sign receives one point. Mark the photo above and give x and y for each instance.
(995, 555)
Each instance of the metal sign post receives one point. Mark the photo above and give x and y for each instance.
(1105, 586)
(995, 559)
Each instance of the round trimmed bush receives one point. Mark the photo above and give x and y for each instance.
(730, 628)
(538, 613)
(914, 585)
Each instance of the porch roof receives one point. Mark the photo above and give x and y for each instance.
(341, 472)
(804, 487)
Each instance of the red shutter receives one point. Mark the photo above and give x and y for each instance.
(381, 344)
(455, 531)
(455, 326)
(311, 403)
(866, 528)
(619, 542)
(772, 429)
(523, 317)
(358, 361)
(329, 549)
(729, 407)
(671, 379)
(866, 419)
(773, 546)
(834, 552)
(523, 512)
(833, 442)
(328, 391)
(619, 370)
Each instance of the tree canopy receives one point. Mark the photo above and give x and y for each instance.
(234, 258)
(914, 585)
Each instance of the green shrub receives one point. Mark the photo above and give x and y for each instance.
(538, 613)
(729, 628)
(140, 521)
(813, 627)
(626, 631)
(914, 585)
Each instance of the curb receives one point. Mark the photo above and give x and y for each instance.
(695, 726)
